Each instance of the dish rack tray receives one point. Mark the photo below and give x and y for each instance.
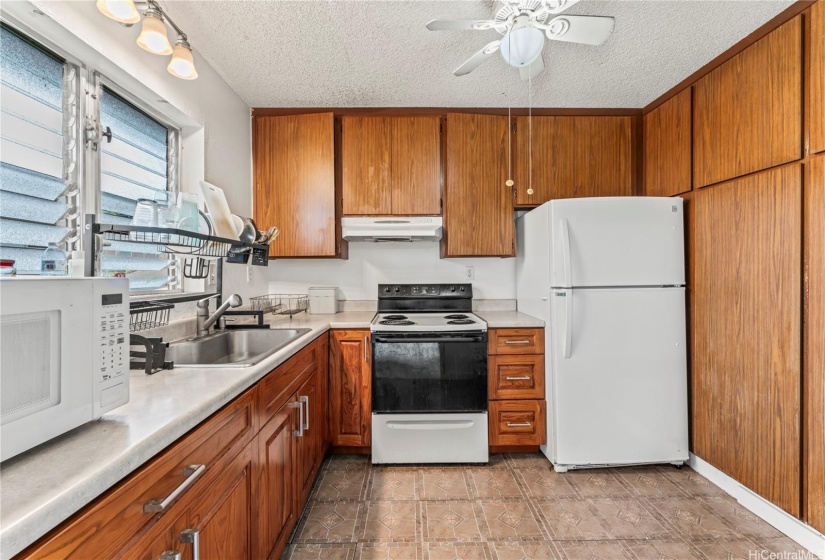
(145, 315)
(280, 304)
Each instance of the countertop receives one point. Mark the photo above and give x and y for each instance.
(41, 488)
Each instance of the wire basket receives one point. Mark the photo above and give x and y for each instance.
(280, 304)
(148, 315)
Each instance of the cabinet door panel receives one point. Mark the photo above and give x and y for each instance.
(366, 151)
(573, 157)
(745, 319)
(748, 111)
(350, 387)
(416, 166)
(817, 81)
(667, 145)
(478, 206)
(814, 349)
(295, 183)
(308, 448)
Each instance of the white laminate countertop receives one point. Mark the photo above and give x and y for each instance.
(46, 485)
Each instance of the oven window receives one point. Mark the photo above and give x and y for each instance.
(411, 376)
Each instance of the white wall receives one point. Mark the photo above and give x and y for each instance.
(215, 121)
(370, 264)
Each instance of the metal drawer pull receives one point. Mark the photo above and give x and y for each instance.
(518, 424)
(305, 400)
(192, 472)
(192, 536)
(518, 378)
(300, 431)
(516, 342)
(170, 555)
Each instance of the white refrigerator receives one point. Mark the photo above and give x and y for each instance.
(607, 275)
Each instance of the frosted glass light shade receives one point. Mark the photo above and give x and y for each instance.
(182, 64)
(152, 36)
(522, 46)
(122, 11)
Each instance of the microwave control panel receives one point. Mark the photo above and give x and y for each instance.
(112, 337)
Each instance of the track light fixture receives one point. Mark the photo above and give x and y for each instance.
(153, 37)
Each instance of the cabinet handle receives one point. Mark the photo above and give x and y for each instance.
(366, 344)
(170, 555)
(300, 431)
(192, 472)
(517, 378)
(305, 400)
(192, 536)
(518, 424)
(516, 342)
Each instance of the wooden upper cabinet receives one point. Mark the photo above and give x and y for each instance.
(817, 78)
(747, 113)
(667, 145)
(478, 205)
(293, 157)
(573, 157)
(746, 321)
(366, 158)
(391, 165)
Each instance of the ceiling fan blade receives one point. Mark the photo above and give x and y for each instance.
(590, 30)
(532, 70)
(460, 25)
(474, 61)
(557, 6)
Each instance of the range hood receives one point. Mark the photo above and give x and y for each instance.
(392, 228)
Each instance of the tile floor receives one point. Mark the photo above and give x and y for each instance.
(517, 508)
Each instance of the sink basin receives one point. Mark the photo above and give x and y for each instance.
(234, 348)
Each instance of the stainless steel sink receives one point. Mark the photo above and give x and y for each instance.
(234, 348)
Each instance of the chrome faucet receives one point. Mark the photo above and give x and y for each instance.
(205, 320)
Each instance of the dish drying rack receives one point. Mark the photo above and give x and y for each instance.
(280, 304)
(145, 315)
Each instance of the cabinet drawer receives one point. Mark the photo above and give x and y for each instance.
(517, 422)
(516, 341)
(516, 377)
(104, 529)
(278, 386)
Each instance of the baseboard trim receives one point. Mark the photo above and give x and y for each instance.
(796, 530)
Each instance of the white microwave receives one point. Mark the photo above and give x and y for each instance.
(65, 356)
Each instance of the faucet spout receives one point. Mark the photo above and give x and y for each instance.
(204, 320)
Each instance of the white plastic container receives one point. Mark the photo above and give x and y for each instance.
(323, 301)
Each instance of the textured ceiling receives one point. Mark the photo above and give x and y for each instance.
(355, 53)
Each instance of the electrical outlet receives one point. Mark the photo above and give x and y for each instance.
(248, 274)
(213, 274)
(470, 273)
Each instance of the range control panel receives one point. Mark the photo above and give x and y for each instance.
(389, 291)
(112, 337)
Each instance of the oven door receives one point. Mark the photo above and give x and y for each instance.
(429, 372)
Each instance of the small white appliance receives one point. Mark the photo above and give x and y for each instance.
(392, 228)
(323, 301)
(429, 376)
(607, 275)
(65, 356)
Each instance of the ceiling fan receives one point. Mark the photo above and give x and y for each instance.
(525, 24)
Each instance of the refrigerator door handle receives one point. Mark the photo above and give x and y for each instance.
(568, 323)
(565, 243)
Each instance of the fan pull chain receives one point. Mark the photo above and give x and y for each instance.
(530, 121)
(509, 181)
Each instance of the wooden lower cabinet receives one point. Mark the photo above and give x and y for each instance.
(350, 385)
(517, 422)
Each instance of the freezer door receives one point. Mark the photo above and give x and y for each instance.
(605, 242)
(618, 376)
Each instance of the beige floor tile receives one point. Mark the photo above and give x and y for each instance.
(545, 483)
(571, 519)
(440, 484)
(339, 462)
(391, 521)
(529, 461)
(328, 522)
(340, 485)
(508, 519)
(491, 483)
(743, 521)
(497, 461)
(592, 550)
(691, 518)
(392, 484)
(319, 552)
(390, 551)
(649, 481)
(677, 549)
(458, 551)
(596, 483)
(729, 549)
(784, 545)
(524, 551)
(450, 520)
(628, 519)
(694, 484)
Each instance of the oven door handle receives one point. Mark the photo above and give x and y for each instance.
(430, 424)
(429, 338)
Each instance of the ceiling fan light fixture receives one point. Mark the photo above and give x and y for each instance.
(122, 11)
(152, 36)
(522, 46)
(182, 64)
